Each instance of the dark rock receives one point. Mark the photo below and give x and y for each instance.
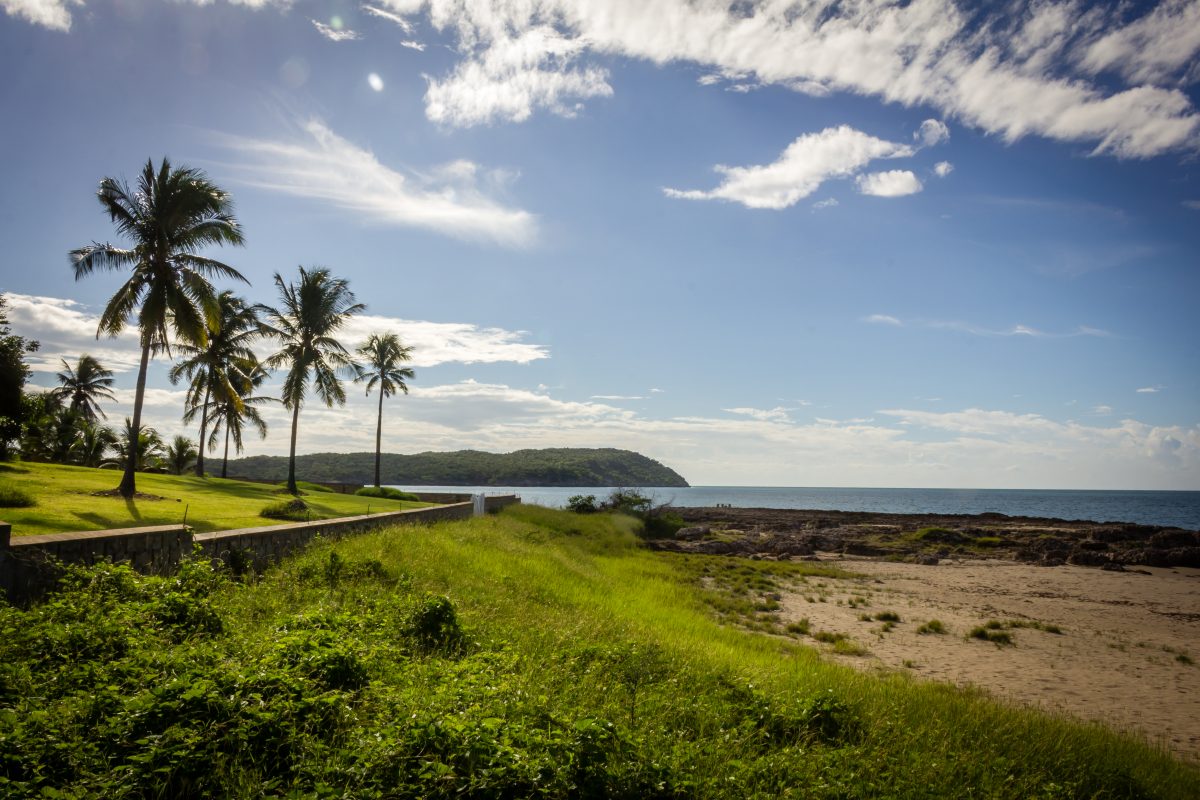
(1174, 538)
(1113, 566)
(692, 533)
(928, 561)
(1087, 558)
(1092, 544)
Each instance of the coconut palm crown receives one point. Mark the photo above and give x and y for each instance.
(84, 385)
(311, 313)
(382, 356)
(171, 215)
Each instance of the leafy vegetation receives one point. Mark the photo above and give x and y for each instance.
(295, 510)
(933, 626)
(386, 492)
(405, 666)
(72, 498)
(15, 497)
(563, 466)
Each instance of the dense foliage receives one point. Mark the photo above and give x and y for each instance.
(13, 374)
(560, 466)
(405, 666)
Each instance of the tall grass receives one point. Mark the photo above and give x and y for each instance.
(537, 653)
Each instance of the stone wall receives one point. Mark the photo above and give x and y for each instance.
(28, 563)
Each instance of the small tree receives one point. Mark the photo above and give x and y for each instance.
(14, 372)
(82, 387)
(180, 455)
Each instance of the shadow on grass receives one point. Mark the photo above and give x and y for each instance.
(132, 508)
(11, 468)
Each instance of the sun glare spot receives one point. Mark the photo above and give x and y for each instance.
(375, 82)
(336, 22)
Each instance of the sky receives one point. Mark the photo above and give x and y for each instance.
(907, 244)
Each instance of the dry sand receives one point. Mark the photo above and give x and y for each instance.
(1123, 657)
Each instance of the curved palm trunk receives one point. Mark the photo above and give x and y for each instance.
(291, 482)
(203, 428)
(128, 481)
(225, 460)
(378, 437)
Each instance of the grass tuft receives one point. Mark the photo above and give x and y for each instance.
(12, 496)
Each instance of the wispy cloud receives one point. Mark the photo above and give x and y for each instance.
(334, 33)
(1018, 330)
(390, 16)
(882, 319)
(1150, 390)
(799, 171)
(321, 165)
(617, 397)
(828, 202)
(777, 414)
(1192, 204)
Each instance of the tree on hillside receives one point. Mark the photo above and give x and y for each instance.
(382, 356)
(145, 447)
(82, 387)
(13, 374)
(173, 214)
(215, 366)
(180, 455)
(312, 311)
(230, 416)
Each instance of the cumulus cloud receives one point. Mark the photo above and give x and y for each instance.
(800, 170)
(892, 183)
(323, 166)
(53, 14)
(943, 168)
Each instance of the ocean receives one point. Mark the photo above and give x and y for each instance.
(1179, 509)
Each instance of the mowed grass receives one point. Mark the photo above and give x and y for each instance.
(65, 500)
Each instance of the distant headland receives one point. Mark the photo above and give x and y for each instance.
(559, 466)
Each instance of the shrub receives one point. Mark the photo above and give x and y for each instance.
(800, 627)
(295, 510)
(845, 647)
(582, 503)
(933, 626)
(15, 497)
(433, 625)
(887, 616)
(987, 633)
(386, 492)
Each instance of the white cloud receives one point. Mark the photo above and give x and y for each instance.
(1013, 77)
(335, 33)
(391, 16)
(943, 168)
(67, 329)
(1102, 410)
(615, 397)
(828, 202)
(800, 170)
(53, 14)
(413, 45)
(1192, 204)
(932, 132)
(777, 414)
(883, 319)
(892, 183)
(1150, 390)
(324, 166)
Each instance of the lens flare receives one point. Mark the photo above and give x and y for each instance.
(375, 82)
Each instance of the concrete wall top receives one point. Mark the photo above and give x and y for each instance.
(42, 539)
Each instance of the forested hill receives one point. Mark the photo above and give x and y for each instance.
(567, 466)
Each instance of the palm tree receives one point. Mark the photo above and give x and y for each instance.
(143, 445)
(231, 415)
(92, 444)
(312, 311)
(173, 214)
(83, 385)
(180, 455)
(215, 366)
(383, 354)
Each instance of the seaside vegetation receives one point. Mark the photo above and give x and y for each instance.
(71, 498)
(399, 665)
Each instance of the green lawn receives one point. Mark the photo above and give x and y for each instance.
(66, 501)
(531, 654)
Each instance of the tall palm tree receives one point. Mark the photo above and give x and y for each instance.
(230, 415)
(311, 312)
(173, 214)
(382, 356)
(215, 366)
(83, 385)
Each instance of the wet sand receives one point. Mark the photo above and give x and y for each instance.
(1124, 657)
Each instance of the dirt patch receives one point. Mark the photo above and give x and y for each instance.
(136, 495)
(1127, 652)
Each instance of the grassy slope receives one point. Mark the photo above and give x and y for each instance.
(594, 669)
(66, 501)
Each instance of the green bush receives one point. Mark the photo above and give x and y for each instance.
(294, 510)
(433, 625)
(386, 492)
(932, 626)
(582, 504)
(306, 486)
(15, 497)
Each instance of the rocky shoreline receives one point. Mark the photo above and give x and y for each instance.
(769, 533)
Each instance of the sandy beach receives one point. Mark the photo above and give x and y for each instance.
(1124, 656)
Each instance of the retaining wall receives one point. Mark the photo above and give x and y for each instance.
(28, 564)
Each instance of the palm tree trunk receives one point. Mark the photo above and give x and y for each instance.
(291, 483)
(203, 428)
(378, 437)
(225, 460)
(128, 481)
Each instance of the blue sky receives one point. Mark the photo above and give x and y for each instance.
(867, 244)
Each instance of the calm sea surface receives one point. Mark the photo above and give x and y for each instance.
(1181, 509)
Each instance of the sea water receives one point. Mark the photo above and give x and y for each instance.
(1180, 509)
